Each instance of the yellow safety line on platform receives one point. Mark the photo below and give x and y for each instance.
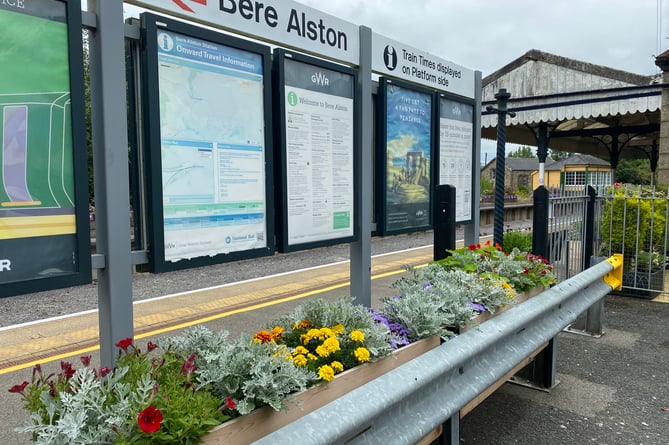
(200, 321)
(662, 298)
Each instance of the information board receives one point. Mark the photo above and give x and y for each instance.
(456, 153)
(44, 229)
(404, 157)
(209, 136)
(317, 109)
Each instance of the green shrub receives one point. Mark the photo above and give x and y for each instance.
(517, 239)
(632, 222)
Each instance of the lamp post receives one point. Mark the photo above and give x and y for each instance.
(502, 111)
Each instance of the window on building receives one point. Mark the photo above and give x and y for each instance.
(574, 178)
(523, 181)
(599, 178)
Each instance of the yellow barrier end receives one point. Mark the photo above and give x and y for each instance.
(615, 277)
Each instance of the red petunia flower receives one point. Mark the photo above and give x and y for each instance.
(18, 388)
(104, 371)
(123, 344)
(189, 366)
(85, 360)
(472, 247)
(68, 369)
(151, 346)
(149, 419)
(229, 403)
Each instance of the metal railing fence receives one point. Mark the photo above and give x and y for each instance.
(634, 221)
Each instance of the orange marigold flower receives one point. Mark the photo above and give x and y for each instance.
(263, 337)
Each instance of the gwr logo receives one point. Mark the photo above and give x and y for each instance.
(185, 7)
(320, 79)
(5, 265)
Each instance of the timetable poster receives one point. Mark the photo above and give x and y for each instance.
(319, 144)
(456, 153)
(407, 155)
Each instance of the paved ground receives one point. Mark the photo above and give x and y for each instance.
(613, 390)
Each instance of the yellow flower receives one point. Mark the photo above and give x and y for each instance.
(338, 329)
(326, 373)
(337, 366)
(361, 354)
(300, 360)
(277, 332)
(301, 350)
(326, 333)
(311, 356)
(328, 347)
(357, 336)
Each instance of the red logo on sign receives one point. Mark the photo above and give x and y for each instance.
(185, 7)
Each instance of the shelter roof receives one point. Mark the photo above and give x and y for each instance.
(578, 159)
(583, 105)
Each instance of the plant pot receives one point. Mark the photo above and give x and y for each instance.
(263, 421)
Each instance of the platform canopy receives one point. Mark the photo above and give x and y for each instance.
(586, 108)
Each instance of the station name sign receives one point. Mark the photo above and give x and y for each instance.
(396, 59)
(283, 22)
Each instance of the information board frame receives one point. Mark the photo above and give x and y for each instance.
(460, 195)
(151, 24)
(51, 249)
(422, 211)
(284, 226)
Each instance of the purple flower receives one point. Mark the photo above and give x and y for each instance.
(479, 307)
(399, 334)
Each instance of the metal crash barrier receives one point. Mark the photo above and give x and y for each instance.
(408, 403)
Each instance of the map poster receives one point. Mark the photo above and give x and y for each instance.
(406, 157)
(43, 199)
(456, 153)
(209, 159)
(318, 130)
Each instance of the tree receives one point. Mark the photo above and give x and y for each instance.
(522, 152)
(633, 171)
(558, 155)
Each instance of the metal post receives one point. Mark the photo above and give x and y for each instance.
(589, 228)
(444, 221)
(540, 222)
(361, 250)
(502, 97)
(472, 231)
(590, 322)
(110, 161)
(451, 432)
(542, 149)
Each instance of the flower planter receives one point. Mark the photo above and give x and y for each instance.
(263, 421)
(520, 297)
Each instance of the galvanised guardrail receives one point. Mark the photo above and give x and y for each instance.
(408, 403)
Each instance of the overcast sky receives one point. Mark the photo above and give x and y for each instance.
(485, 35)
